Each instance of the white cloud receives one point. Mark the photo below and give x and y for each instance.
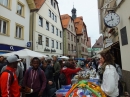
(86, 8)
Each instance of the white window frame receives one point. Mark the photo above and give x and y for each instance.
(52, 43)
(47, 25)
(39, 42)
(2, 2)
(52, 28)
(55, 18)
(46, 42)
(56, 45)
(1, 26)
(49, 13)
(40, 21)
(57, 31)
(18, 33)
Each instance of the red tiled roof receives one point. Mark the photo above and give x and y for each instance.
(78, 21)
(65, 20)
(99, 43)
(39, 3)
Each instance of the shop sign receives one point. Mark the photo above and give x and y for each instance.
(109, 40)
(108, 44)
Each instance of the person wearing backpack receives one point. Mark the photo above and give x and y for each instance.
(35, 79)
(8, 81)
(68, 72)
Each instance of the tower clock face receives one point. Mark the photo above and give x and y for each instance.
(112, 20)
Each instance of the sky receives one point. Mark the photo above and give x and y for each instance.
(86, 8)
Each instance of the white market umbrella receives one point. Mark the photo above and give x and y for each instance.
(64, 57)
(25, 53)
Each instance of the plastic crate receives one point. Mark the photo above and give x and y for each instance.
(61, 92)
(66, 86)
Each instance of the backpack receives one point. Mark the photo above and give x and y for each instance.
(62, 79)
(12, 78)
(39, 72)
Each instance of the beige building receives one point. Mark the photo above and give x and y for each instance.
(117, 38)
(45, 28)
(82, 37)
(14, 25)
(69, 40)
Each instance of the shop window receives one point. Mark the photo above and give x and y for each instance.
(124, 39)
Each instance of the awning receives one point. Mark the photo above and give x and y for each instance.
(110, 47)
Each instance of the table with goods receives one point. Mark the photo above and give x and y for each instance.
(84, 84)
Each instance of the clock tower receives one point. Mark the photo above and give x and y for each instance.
(73, 13)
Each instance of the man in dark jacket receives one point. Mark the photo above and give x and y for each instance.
(2, 62)
(57, 69)
(35, 79)
(50, 85)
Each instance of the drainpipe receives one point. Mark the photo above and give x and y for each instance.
(32, 28)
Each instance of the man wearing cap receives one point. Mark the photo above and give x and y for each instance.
(10, 88)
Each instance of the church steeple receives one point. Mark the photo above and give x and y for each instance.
(73, 12)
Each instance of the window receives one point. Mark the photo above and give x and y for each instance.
(56, 31)
(72, 47)
(40, 21)
(56, 45)
(40, 39)
(68, 35)
(52, 43)
(60, 34)
(75, 48)
(4, 2)
(52, 29)
(68, 47)
(49, 13)
(47, 26)
(52, 2)
(72, 37)
(19, 31)
(82, 49)
(71, 28)
(47, 41)
(60, 46)
(55, 18)
(54, 5)
(77, 40)
(20, 9)
(3, 26)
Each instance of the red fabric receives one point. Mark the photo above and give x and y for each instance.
(8, 90)
(69, 72)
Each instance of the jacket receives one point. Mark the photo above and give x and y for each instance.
(19, 74)
(57, 68)
(110, 81)
(32, 80)
(68, 73)
(8, 90)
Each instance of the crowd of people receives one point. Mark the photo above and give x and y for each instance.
(42, 78)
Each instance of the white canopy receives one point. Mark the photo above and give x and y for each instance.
(25, 53)
(64, 57)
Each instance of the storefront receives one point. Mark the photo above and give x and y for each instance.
(115, 51)
(4, 48)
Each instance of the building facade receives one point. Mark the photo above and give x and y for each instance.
(97, 47)
(69, 39)
(82, 37)
(46, 28)
(89, 49)
(117, 37)
(14, 25)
